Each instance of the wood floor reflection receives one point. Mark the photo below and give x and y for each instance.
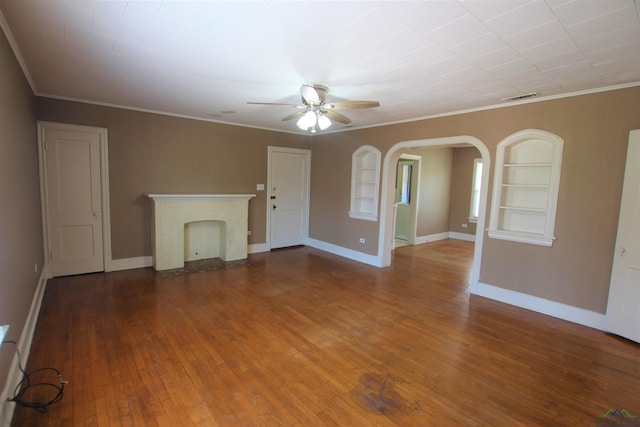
(301, 337)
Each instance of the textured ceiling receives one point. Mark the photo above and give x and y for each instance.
(207, 59)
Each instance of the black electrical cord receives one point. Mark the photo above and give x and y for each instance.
(25, 385)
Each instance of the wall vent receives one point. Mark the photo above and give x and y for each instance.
(519, 97)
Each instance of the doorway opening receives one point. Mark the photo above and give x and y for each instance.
(388, 196)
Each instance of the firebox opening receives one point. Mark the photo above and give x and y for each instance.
(203, 239)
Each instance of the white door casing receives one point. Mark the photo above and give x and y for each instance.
(623, 308)
(288, 196)
(75, 205)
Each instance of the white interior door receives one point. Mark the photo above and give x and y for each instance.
(623, 308)
(288, 196)
(73, 189)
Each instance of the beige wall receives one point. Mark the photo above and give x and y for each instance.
(436, 169)
(577, 268)
(151, 153)
(21, 245)
(461, 190)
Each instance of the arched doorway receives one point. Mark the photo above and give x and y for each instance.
(386, 238)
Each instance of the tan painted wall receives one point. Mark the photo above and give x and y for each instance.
(21, 245)
(461, 190)
(577, 268)
(151, 153)
(436, 170)
(144, 157)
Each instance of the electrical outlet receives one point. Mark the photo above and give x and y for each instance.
(249, 233)
(464, 225)
(362, 240)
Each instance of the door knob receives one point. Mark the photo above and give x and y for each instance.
(274, 207)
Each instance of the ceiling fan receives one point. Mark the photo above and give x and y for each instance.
(316, 113)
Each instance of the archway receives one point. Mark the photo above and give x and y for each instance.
(385, 243)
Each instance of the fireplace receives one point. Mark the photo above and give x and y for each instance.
(172, 213)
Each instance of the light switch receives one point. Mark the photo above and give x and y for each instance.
(259, 187)
(3, 332)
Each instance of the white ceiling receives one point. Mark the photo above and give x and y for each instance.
(206, 59)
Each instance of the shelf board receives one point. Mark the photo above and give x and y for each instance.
(524, 209)
(545, 186)
(527, 165)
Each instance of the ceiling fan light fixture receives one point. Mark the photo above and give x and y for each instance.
(308, 120)
(323, 121)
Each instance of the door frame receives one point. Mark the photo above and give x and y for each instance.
(270, 150)
(104, 188)
(415, 195)
(385, 235)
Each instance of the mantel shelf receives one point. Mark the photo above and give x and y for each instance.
(200, 196)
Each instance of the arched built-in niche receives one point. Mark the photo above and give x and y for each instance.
(525, 187)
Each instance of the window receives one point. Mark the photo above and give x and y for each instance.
(525, 191)
(365, 181)
(474, 209)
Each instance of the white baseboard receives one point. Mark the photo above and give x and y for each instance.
(257, 248)
(544, 306)
(14, 376)
(344, 252)
(147, 261)
(431, 238)
(462, 236)
(445, 235)
(131, 263)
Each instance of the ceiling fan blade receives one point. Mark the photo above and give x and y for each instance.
(294, 115)
(346, 105)
(309, 95)
(340, 118)
(276, 103)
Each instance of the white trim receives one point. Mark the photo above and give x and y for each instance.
(14, 47)
(493, 106)
(131, 263)
(147, 261)
(385, 235)
(104, 177)
(258, 248)
(14, 376)
(521, 237)
(431, 238)
(462, 236)
(344, 252)
(472, 198)
(307, 153)
(573, 314)
(415, 192)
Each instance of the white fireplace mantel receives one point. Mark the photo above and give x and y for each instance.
(172, 211)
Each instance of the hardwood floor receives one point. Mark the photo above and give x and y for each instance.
(300, 337)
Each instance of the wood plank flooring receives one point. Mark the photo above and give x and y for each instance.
(300, 337)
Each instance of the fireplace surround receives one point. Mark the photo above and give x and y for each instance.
(171, 212)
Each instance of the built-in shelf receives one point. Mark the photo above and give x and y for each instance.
(365, 183)
(525, 191)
